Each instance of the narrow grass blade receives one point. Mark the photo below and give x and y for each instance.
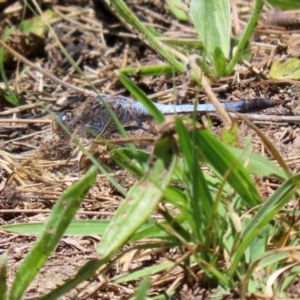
(11, 96)
(134, 161)
(176, 7)
(129, 17)
(148, 70)
(75, 228)
(3, 277)
(142, 289)
(95, 162)
(227, 165)
(81, 72)
(149, 271)
(264, 215)
(285, 4)
(142, 97)
(219, 61)
(275, 259)
(289, 279)
(87, 271)
(87, 227)
(141, 200)
(58, 221)
(244, 40)
(197, 186)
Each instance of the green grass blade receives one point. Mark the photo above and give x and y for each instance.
(3, 276)
(242, 45)
(196, 184)
(95, 162)
(285, 4)
(227, 165)
(142, 97)
(142, 289)
(129, 17)
(141, 200)
(75, 228)
(177, 9)
(11, 95)
(135, 162)
(264, 215)
(149, 271)
(87, 271)
(290, 278)
(87, 227)
(151, 229)
(62, 214)
(148, 70)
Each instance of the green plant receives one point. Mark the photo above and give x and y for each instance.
(214, 215)
(218, 220)
(50, 235)
(212, 21)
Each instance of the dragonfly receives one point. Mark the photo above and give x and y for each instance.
(92, 116)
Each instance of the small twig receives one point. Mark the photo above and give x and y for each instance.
(21, 108)
(146, 140)
(29, 121)
(39, 211)
(270, 118)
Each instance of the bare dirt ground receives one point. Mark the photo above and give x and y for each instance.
(36, 165)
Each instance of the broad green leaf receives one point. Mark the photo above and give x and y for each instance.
(37, 24)
(260, 242)
(285, 4)
(75, 228)
(87, 227)
(213, 23)
(288, 69)
(62, 214)
(226, 164)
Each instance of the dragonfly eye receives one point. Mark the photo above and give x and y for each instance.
(65, 118)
